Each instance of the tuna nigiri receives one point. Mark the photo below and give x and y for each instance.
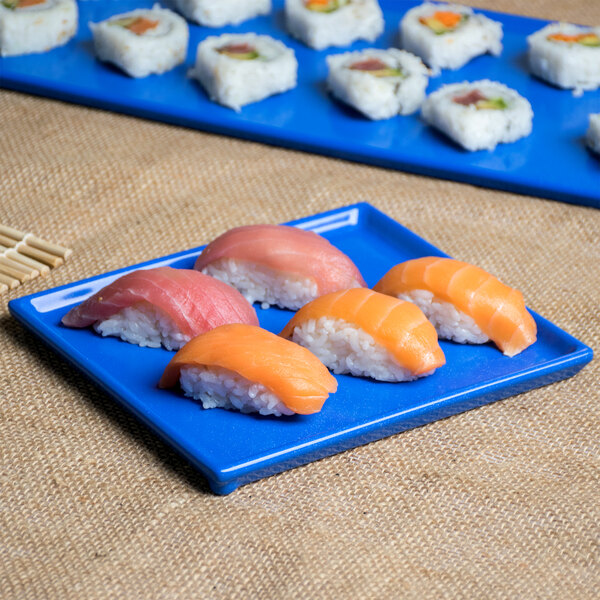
(277, 264)
(465, 303)
(362, 332)
(252, 370)
(164, 306)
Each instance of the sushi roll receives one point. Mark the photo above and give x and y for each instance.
(246, 368)
(217, 13)
(164, 306)
(365, 333)
(465, 303)
(323, 23)
(448, 36)
(566, 55)
(238, 69)
(143, 41)
(592, 137)
(379, 83)
(277, 264)
(479, 115)
(30, 26)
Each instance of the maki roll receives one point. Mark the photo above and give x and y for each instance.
(379, 83)
(164, 306)
(365, 333)
(323, 23)
(246, 368)
(238, 69)
(448, 36)
(277, 264)
(465, 303)
(566, 55)
(479, 115)
(217, 13)
(142, 41)
(592, 137)
(30, 26)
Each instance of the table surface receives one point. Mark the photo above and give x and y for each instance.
(497, 502)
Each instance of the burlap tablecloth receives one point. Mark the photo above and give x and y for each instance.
(499, 502)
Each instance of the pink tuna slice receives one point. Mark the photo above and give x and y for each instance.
(196, 302)
(287, 250)
(472, 97)
(369, 64)
(238, 48)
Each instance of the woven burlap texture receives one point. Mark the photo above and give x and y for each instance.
(499, 502)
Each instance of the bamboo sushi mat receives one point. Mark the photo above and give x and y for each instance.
(499, 502)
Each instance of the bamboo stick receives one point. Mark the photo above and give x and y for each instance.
(3, 287)
(30, 262)
(13, 264)
(9, 281)
(49, 259)
(36, 242)
(14, 273)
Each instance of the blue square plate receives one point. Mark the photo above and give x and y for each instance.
(231, 448)
(552, 162)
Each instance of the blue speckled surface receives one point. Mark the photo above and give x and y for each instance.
(553, 162)
(230, 448)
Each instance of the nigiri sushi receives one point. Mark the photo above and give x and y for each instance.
(277, 264)
(465, 303)
(252, 370)
(164, 306)
(364, 333)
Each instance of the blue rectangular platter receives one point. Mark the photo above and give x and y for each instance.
(231, 448)
(552, 162)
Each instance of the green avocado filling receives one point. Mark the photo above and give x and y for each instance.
(11, 4)
(591, 40)
(125, 22)
(492, 104)
(327, 6)
(389, 72)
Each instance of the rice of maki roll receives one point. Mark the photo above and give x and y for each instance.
(31, 26)
(592, 137)
(447, 36)
(238, 69)
(142, 41)
(217, 13)
(379, 83)
(567, 56)
(323, 23)
(479, 115)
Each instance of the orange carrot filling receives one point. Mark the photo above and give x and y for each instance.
(447, 18)
(590, 38)
(141, 25)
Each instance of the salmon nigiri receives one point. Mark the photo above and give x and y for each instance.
(164, 306)
(252, 370)
(465, 303)
(362, 332)
(277, 264)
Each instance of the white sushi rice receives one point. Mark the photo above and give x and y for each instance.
(36, 28)
(566, 65)
(476, 129)
(345, 348)
(217, 13)
(476, 35)
(449, 322)
(354, 20)
(158, 50)
(379, 97)
(145, 325)
(257, 283)
(216, 387)
(592, 137)
(234, 82)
